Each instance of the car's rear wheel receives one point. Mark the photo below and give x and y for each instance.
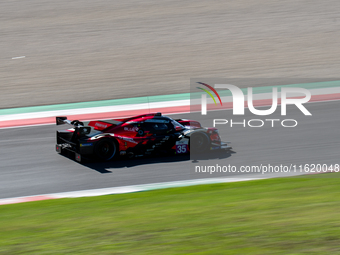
(106, 149)
(199, 143)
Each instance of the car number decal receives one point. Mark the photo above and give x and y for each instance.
(181, 148)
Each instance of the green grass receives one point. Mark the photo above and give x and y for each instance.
(298, 215)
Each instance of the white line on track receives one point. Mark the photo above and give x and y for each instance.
(133, 188)
(19, 57)
(122, 190)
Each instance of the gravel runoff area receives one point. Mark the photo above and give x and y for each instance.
(70, 51)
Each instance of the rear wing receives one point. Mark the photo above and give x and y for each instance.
(78, 125)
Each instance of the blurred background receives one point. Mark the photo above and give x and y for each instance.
(84, 50)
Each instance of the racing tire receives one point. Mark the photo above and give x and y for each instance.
(106, 149)
(199, 143)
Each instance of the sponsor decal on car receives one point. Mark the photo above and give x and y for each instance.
(131, 129)
(157, 121)
(86, 144)
(182, 146)
(128, 139)
(101, 125)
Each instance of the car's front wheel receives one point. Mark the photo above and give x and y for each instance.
(106, 149)
(199, 143)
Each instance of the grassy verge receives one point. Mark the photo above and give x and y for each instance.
(278, 216)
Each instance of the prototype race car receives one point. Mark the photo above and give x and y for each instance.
(136, 136)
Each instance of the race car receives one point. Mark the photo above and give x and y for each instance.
(140, 135)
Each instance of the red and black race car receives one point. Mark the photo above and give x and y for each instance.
(141, 135)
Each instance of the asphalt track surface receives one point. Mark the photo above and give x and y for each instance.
(30, 165)
(84, 50)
